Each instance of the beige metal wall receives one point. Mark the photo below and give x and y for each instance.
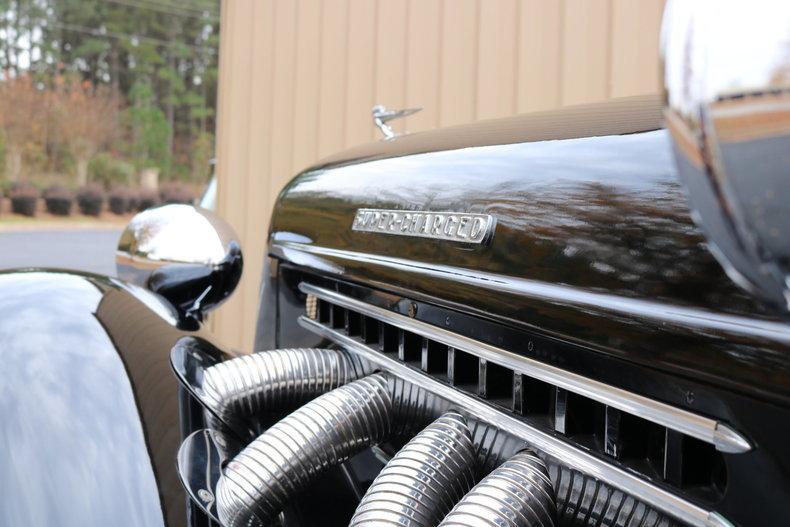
(298, 79)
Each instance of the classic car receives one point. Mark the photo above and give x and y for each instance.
(571, 317)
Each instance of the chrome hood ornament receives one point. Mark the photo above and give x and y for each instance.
(381, 116)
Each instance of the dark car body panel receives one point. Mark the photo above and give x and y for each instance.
(596, 262)
(732, 495)
(89, 405)
(594, 243)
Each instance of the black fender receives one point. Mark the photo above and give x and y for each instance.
(89, 407)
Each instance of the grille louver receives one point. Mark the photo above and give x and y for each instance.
(650, 449)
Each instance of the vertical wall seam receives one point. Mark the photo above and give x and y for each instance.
(268, 147)
(246, 171)
(319, 79)
(346, 61)
(272, 102)
(560, 101)
(375, 77)
(247, 291)
(440, 66)
(516, 57)
(405, 51)
(476, 84)
(609, 50)
(294, 80)
(225, 51)
(224, 94)
(439, 35)
(344, 112)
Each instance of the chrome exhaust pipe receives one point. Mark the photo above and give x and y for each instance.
(517, 494)
(266, 383)
(271, 382)
(275, 382)
(583, 500)
(258, 483)
(425, 478)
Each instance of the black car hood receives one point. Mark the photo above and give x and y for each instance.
(594, 242)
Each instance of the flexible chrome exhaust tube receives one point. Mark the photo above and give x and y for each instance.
(583, 500)
(517, 494)
(424, 480)
(276, 381)
(258, 483)
(356, 414)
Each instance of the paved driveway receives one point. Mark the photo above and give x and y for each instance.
(85, 250)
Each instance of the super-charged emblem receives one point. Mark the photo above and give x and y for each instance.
(450, 226)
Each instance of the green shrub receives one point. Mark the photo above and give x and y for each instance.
(24, 198)
(120, 200)
(59, 200)
(90, 198)
(134, 200)
(147, 198)
(175, 192)
(108, 171)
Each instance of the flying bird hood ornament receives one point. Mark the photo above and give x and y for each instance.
(382, 115)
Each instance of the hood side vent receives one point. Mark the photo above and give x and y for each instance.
(654, 451)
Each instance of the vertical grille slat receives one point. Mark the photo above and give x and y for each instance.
(451, 365)
(496, 383)
(612, 440)
(672, 469)
(371, 331)
(466, 370)
(434, 358)
(353, 323)
(409, 347)
(390, 339)
(482, 381)
(337, 318)
(576, 415)
(518, 394)
(324, 312)
(560, 411)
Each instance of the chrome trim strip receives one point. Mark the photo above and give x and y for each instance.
(659, 498)
(705, 429)
(331, 260)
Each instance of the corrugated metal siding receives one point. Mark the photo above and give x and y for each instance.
(298, 79)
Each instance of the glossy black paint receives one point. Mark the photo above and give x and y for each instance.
(89, 406)
(194, 288)
(596, 266)
(200, 462)
(594, 245)
(767, 426)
